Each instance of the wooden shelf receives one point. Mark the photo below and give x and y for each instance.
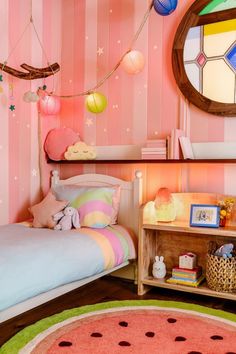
(138, 161)
(227, 231)
(172, 239)
(201, 289)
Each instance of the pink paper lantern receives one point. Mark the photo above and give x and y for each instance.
(49, 105)
(133, 62)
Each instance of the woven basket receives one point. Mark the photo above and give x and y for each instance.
(221, 273)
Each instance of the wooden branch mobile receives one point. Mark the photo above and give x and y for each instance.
(33, 73)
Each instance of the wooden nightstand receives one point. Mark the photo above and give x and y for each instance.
(170, 240)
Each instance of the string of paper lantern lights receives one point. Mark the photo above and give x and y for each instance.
(132, 61)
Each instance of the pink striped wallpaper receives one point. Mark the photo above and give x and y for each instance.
(87, 38)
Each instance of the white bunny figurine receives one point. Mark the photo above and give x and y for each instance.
(159, 268)
(67, 218)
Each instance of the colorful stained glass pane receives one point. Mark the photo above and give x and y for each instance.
(210, 58)
(219, 37)
(201, 59)
(218, 5)
(193, 73)
(219, 81)
(192, 44)
(231, 56)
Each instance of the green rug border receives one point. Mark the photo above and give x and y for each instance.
(27, 334)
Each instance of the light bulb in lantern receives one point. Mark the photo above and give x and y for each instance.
(165, 7)
(49, 105)
(133, 62)
(96, 102)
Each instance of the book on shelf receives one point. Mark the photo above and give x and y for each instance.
(185, 273)
(174, 146)
(155, 143)
(168, 147)
(194, 283)
(154, 156)
(157, 152)
(186, 147)
(197, 269)
(153, 153)
(153, 149)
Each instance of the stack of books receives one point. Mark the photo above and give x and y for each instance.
(173, 144)
(154, 149)
(184, 276)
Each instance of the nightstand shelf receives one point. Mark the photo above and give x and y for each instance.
(201, 289)
(170, 240)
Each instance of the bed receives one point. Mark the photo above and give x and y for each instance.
(43, 264)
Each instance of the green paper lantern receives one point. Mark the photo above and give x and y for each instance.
(96, 102)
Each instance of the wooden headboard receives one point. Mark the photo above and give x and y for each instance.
(131, 193)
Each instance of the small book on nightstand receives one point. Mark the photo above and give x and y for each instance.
(188, 274)
(184, 276)
(187, 282)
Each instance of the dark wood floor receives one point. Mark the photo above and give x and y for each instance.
(101, 290)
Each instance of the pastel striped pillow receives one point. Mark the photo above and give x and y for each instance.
(94, 206)
(71, 192)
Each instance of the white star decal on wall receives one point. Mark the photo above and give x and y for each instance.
(111, 11)
(116, 77)
(156, 133)
(1, 201)
(155, 47)
(105, 130)
(34, 173)
(100, 51)
(115, 106)
(128, 130)
(28, 126)
(119, 41)
(1, 147)
(89, 122)
(15, 178)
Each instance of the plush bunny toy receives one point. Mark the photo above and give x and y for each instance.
(225, 250)
(159, 268)
(68, 218)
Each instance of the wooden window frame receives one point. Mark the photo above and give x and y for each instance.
(192, 19)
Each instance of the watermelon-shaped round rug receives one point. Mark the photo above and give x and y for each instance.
(138, 327)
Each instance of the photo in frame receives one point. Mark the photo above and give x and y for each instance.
(204, 215)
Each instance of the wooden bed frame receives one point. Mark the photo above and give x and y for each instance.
(130, 201)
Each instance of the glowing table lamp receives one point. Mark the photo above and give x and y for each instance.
(165, 206)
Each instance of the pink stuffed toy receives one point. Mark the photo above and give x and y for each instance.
(68, 218)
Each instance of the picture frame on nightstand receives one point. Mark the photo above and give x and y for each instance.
(204, 215)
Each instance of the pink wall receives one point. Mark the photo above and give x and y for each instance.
(144, 106)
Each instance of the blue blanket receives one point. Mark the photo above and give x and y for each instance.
(33, 260)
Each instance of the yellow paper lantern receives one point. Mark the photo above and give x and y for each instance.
(96, 102)
(133, 62)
